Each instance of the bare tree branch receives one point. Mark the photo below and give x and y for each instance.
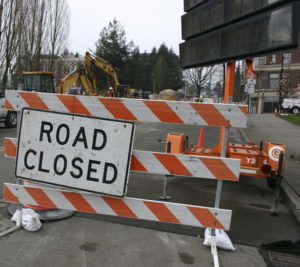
(59, 25)
(198, 78)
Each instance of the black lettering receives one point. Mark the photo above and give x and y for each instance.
(56, 169)
(105, 181)
(96, 131)
(46, 131)
(41, 162)
(76, 176)
(26, 157)
(81, 137)
(90, 169)
(58, 136)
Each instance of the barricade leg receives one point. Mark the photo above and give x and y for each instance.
(12, 207)
(164, 195)
(228, 95)
(214, 250)
(278, 185)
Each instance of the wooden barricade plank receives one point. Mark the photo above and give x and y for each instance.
(170, 164)
(124, 207)
(179, 112)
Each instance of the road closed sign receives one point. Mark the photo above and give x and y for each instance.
(75, 151)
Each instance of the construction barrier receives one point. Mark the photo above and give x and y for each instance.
(169, 164)
(123, 207)
(220, 168)
(226, 115)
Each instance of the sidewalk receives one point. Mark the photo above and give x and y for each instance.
(262, 127)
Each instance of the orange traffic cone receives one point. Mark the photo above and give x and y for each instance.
(200, 140)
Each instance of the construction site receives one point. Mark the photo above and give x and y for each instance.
(96, 171)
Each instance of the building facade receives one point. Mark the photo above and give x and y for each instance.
(63, 66)
(269, 70)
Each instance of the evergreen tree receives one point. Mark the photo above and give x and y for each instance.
(157, 70)
(112, 45)
(167, 71)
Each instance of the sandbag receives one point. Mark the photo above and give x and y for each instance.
(17, 217)
(30, 220)
(223, 241)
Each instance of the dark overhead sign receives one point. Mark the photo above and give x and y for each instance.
(216, 13)
(226, 33)
(189, 4)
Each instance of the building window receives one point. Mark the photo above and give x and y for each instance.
(274, 80)
(273, 60)
(287, 58)
(262, 61)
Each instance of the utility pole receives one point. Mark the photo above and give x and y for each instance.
(281, 82)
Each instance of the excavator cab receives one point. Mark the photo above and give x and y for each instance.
(38, 81)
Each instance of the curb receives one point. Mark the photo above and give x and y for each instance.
(293, 201)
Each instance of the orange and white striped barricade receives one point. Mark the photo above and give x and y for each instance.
(219, 168)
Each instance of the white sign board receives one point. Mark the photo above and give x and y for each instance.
(75, 151)
(251, 81)
(251, 89)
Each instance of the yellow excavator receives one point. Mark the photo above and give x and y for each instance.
(85, 73)
(79, 74)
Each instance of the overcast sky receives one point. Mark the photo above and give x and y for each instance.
(148, 23)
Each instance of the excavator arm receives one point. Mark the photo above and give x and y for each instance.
(87, 76)
(79, 74)
(92, 61)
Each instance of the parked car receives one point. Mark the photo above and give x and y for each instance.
(7, 116)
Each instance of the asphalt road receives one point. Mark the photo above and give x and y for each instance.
(250, 199)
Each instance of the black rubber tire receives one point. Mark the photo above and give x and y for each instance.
(295, 110)
(11, 119)
(271, 182)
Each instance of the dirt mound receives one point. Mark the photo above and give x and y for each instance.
(168, 94)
